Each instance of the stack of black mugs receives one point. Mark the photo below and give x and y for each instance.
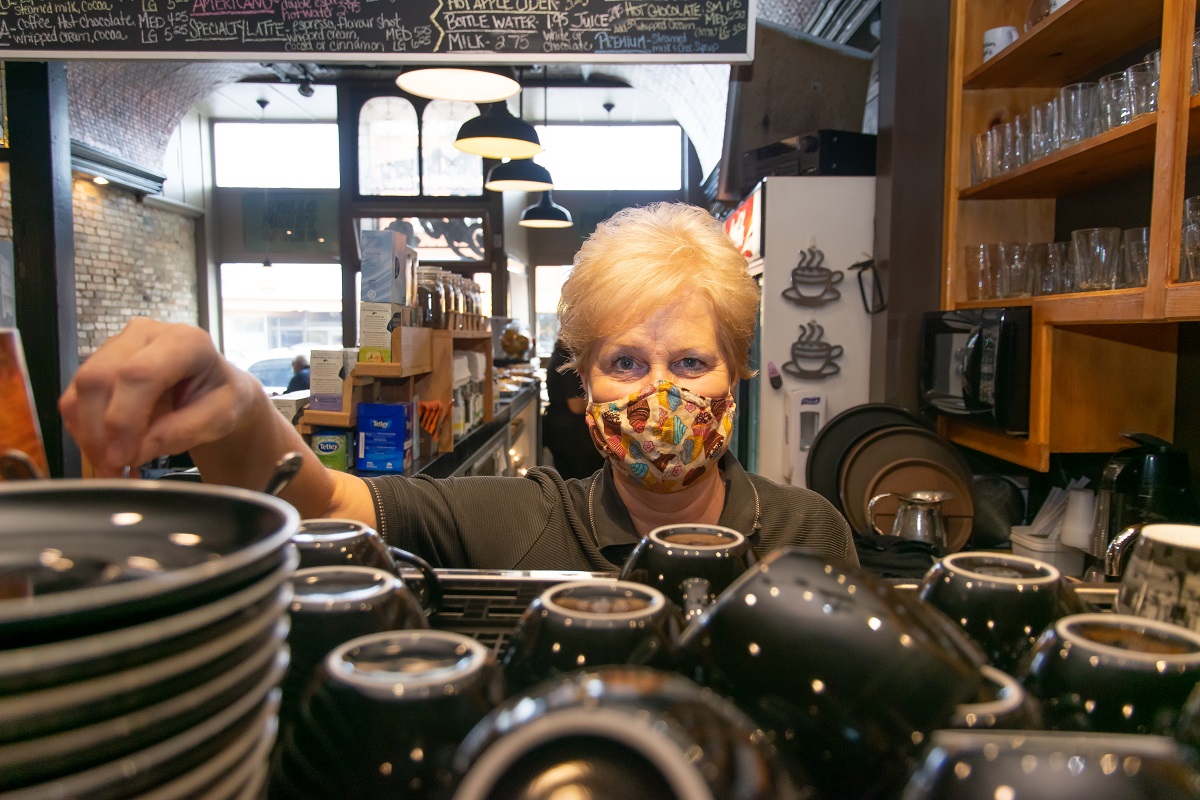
(705, 673)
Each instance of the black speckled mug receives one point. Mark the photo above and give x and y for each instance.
(690, 564)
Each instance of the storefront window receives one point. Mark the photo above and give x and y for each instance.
(437, 239)
(387, 148)
(275, 312)
(448, 171)
(548, 287)
(302, 155)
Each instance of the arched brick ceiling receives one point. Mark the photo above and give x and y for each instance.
(131, 108)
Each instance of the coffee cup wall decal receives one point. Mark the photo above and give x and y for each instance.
(812, 282)
(812, 358)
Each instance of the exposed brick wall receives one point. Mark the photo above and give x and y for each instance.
(130, 260)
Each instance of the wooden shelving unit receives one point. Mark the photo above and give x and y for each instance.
(1103, 362)
(425, 373)
(1062, 48)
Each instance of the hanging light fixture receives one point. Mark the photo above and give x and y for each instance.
(522, 175)
(498, 134)
(546, 214)
(471, 85)
(519, 175)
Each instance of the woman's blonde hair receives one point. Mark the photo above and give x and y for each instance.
(638, 260)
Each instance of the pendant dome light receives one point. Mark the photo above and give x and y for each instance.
(546, 214)
(498, 134)
(519, 175)
(470, 85)
(522, 175)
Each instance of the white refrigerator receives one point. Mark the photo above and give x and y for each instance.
(810, 243)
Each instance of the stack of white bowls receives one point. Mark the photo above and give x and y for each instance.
(143, 636)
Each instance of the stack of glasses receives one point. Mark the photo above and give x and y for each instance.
(1095, 259)
(1078, 112)
(1189, 258)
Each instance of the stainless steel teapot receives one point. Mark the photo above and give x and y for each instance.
(918, 517)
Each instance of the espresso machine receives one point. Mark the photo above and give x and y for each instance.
(1147, 483)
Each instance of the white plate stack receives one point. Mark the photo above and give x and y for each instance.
(143, 636)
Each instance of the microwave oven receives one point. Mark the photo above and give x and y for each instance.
(974, 366)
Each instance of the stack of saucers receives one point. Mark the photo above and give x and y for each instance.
(143, 636)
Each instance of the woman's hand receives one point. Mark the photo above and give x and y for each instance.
(155, 389)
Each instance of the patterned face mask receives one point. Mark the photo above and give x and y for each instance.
(664, 436)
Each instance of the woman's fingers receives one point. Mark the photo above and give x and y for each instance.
(135, 379)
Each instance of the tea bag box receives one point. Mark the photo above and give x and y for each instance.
(388, 279)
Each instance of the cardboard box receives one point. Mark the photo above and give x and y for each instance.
(384, 437)
(385, 267)
(291, 405)
(327, 376)
(334, 447)
(375, 332)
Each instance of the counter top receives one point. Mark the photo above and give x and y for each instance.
(443, 465)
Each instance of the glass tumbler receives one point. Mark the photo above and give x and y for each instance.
(1135, 257)
(1189, 268)
(1013, 277)
(1196, 62)
(1143, 89)
(1097, 257)
(1043, 129)
(979, 270)
(1112, 101)
(1043, 278)
(981, 157)
(1191, 210)
(1077, 112)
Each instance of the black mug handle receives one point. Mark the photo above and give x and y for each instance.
(431, 588)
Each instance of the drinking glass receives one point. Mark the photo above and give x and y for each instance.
(981, 161)
(1154, 59)
(1191, 210)
(1136, 257)
(1042, 279)
(1196, 62)
(1097, 255)
(1013, 278)
(1020, 144)
(1189, 268)
(979, 269)
(1077, 112)
(1143, 89)
(1043, 129)
(1060, 261)
(1008, 147)
(1112, 101)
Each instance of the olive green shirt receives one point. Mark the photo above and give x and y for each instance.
(541, 521)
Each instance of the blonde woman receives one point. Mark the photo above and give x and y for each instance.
(659, 315)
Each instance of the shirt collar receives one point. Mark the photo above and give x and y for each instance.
(612, 525)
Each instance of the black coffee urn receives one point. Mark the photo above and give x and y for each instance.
(1147, 483)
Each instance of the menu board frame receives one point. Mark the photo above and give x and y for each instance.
(567, 43)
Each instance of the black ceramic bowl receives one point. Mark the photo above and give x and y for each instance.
(1021, 765)
(1002, 704)
(690, 564)
(588, 624)
(618, 733)
(1113, 673)
(848, 674)
(385, 715)
(1002, 601)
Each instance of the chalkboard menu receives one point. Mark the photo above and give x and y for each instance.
(419, 31)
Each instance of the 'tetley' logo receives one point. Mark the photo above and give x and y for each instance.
(381, 424)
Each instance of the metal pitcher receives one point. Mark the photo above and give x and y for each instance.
(918, 517)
